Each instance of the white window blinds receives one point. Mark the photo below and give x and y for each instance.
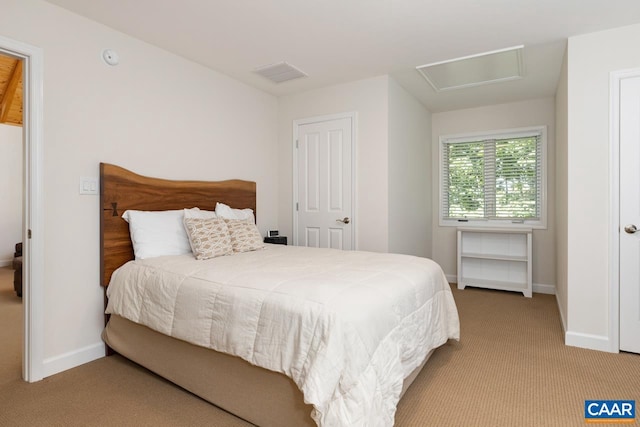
(492, 178)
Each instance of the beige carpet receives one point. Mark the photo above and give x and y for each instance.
(10, 331)
(510, 368)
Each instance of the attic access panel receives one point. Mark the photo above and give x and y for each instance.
(475, 70)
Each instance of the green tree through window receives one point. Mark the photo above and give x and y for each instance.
(496, 178)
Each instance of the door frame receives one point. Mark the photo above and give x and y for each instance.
(353, 115)
(614, 204)
(33, 206)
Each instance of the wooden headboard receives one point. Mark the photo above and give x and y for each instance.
(121, 189)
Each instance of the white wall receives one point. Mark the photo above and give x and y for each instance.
(156, 114)
(11, 191)
(561, 183)
(369, 98)
(409, 174)
(591, 59)
(494, 117)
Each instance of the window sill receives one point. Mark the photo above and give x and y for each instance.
(536, 225)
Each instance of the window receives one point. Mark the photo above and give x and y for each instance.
(495, 178)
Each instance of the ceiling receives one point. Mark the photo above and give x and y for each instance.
(337, 41)
(10, 90)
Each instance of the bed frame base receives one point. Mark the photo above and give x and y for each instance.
(264, 398)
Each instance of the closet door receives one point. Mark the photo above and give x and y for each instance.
(630, 214)
(323, 206)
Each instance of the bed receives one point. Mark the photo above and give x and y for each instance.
(285, 367)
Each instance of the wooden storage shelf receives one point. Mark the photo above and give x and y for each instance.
(495, 258)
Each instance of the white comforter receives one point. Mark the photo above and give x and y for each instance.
(347, 327)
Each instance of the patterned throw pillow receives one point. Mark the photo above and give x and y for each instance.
(209, 238)
(245, 236)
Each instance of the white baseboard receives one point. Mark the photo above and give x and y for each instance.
(452, 278)
(592, 342)
(6, 262)
(541, 288)
(562, 318)
(63, 362)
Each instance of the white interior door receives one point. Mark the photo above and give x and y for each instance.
(630, 214)
(323, 205)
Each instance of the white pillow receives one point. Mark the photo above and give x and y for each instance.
(226, 212)
(157, 233)
(199, 214)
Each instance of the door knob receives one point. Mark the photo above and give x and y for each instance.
(344, 220)
(630, 229)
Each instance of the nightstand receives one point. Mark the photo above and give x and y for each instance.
(277, 240)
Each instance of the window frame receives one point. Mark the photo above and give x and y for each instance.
(540, 223)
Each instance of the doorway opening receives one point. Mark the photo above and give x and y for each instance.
(32, 205)
(11, 156)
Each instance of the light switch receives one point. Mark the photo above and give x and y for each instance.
(88, 185)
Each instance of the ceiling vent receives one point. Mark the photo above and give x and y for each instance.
(475, 70)
(280, 72)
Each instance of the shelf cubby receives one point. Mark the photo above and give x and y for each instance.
(495, 258)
